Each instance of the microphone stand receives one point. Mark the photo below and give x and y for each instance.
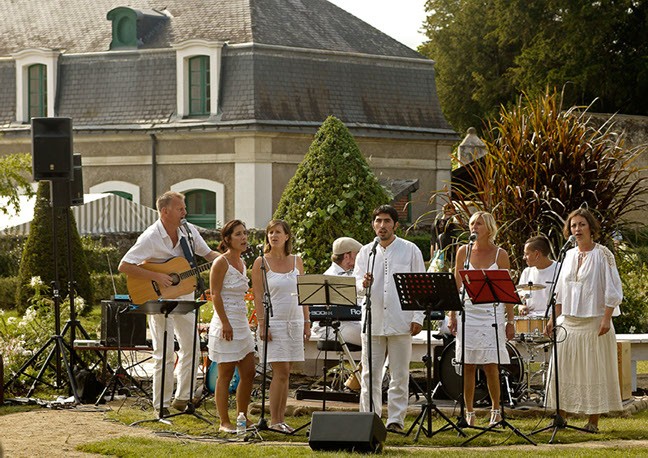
(461, 420)
(559, 422)
(200, 287)
(367, 325)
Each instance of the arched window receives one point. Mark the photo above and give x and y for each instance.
(201, 208)
(37, 91)
(199, 87)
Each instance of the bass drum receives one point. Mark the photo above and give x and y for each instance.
(451, 380)
(212, 377)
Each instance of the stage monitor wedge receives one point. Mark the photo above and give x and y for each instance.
(351, 431)
(52, 148)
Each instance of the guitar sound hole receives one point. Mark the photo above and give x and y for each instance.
(175, 279)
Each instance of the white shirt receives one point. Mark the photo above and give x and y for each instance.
(154, 245)
(400, 256)
(594, 287)
(536, 300)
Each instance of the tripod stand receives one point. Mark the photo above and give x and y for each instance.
(429, 292)
(120, 373)
(496, 287)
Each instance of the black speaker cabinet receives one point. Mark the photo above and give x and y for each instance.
(132, 326)
(351, 431)
(52, 148)
(76, 187)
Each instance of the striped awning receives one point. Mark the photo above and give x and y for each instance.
(100, 214)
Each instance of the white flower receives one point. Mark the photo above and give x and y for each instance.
(12, 320)
(35, 281)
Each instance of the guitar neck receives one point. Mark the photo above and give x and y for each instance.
(192, 272)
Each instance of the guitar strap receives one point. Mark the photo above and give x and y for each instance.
(187, 252)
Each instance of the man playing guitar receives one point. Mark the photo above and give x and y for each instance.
(161, 241)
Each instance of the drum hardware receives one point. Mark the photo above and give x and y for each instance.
(530, 287)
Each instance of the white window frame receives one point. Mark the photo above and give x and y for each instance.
(123, 186)
(185, 51)
(24, 59)
(196, 184)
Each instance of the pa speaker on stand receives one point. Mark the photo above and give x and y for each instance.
(52, 148)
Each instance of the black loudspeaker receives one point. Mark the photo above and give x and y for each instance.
(76, 187)
(132, 326)
(352, 431)
(52, 148)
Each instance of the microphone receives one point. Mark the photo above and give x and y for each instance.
(569, 243)
(376, 242)
(473, 237)
(183, 222)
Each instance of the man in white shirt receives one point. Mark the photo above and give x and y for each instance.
(539, 275)
(158, 243)
(345, 250)
(391, 327)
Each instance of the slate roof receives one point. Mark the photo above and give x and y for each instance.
(80, 26)
(304, 60)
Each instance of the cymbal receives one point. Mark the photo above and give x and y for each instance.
(530, 287)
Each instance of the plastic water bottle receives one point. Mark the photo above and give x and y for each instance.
(241, 424)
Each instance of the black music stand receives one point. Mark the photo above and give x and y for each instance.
(496, 287)
(169, 307)
(327, 290)
(429, 292)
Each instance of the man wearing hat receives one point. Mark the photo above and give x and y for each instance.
(345, 250)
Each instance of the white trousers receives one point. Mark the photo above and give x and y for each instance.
(399, 349)
(184, 329)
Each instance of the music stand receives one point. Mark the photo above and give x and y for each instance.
(430, 292)
(169, 307)
(327, 290)
(496, 287)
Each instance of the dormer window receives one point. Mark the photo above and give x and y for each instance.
(36, 71)
(198, 77)
(133, 28)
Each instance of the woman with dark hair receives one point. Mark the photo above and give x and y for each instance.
(231, 343)
(588, 295)
(289, 323)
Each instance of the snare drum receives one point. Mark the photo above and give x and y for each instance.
(530, 325)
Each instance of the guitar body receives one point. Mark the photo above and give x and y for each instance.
(142, 289)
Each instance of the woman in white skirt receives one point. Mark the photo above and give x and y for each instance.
(289, 324)
(481, 345)
(231, 343)
(588, 295)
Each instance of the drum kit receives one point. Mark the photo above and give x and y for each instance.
(523, 379)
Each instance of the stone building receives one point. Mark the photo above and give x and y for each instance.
(218, 99)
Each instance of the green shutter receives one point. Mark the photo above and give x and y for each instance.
(37, 90)
(199, 89)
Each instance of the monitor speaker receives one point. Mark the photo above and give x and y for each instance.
(51, 148)
(132, 326)
(350, 431)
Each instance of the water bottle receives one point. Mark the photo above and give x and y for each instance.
(241, 424)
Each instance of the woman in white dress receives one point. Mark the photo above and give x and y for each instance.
(588, 295)
(289, 324)
(231, 343)
(481, 348)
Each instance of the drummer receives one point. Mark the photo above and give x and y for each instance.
(536, 279)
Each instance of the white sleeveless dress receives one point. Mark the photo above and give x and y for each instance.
(481, 345)
(235, 285)
(287, 322)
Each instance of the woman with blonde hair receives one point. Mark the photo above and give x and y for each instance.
(289, 324)
(480, 343)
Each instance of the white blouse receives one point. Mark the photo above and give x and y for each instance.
(585, 292)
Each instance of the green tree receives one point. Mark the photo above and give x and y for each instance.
(544, 161)
(15, 171)
(332, 194)
(487, 52)
(38, 258)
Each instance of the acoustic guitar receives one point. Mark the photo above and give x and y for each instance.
(181, 273)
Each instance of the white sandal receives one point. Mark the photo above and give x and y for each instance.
(495, 417)
(470, 418)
